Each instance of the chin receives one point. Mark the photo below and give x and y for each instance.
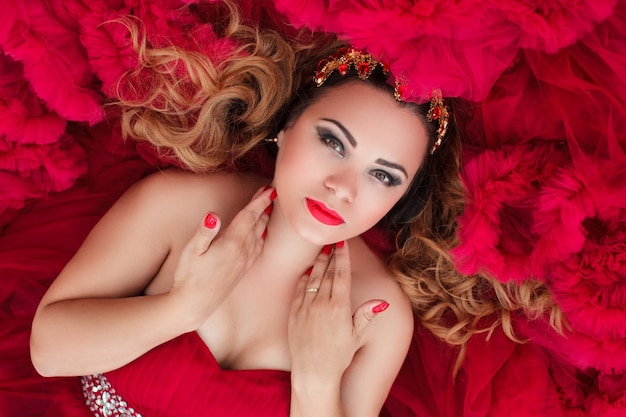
(317, 239)
(316, 235)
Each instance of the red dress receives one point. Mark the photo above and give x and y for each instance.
(185, 379)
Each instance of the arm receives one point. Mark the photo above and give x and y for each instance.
(95, 317)
(343, 364)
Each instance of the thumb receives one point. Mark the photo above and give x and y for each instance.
(366, 313)
(206, 233)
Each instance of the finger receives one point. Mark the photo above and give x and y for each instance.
(318, 270)
(262, 199)
(201, 241)
(268, 209)
(300, 292)
(366, 312)
(342, 277)
(254, 210)
(260, 225)
(326, 282)
(261, 190)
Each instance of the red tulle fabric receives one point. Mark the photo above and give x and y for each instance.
(459, 46)
(544, 168)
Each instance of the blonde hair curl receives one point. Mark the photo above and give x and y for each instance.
(209, 113)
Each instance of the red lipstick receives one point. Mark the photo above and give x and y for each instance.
(323, 214)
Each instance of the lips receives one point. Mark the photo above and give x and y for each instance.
(323, 214)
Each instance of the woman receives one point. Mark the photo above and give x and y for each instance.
(258, 281)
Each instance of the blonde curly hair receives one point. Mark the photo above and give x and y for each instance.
(206, 113)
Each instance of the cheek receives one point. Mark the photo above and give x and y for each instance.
(287, 161)
(294, 168)
(298, 155)
(375, 206)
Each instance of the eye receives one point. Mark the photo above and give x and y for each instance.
(335, 144)
(385, 178)
(330, 140)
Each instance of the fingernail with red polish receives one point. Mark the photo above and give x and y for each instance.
(380, 307)
(264, 234)
(210, 221)
(268, 209)
(308, 271)
(327, 249)
(339, 244)
(267, 187)
(273, 195)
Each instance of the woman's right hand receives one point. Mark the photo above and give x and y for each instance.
(212, 263)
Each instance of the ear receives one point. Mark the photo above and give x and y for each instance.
(280, 138)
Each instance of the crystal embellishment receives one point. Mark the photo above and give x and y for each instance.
(102, 399)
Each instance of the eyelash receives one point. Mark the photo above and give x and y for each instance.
(328, 139)
(389, 181)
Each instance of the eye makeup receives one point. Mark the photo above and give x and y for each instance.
(329, 138)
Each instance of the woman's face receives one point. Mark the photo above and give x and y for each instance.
(345, 162)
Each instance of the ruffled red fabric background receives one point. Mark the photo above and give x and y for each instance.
(545, 170)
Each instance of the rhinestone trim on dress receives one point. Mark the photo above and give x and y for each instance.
(102, 399)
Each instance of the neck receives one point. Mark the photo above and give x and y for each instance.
(285, 248)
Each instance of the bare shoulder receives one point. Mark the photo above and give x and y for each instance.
(174, 185)
(371, 276)
(371, 279)
(130, 244)
(179, 193)
(181, 199)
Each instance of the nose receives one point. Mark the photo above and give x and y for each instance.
(344, 184)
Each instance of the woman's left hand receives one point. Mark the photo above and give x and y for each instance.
(324, 334)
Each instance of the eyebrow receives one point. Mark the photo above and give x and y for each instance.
(392, 165)
(343, 129)
(352, 141)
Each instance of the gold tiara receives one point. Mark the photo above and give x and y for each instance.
(343, 60)
(438, 112)
(364, 64)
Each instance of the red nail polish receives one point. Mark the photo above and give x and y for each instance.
(327, 249)
(268, 209)
(210, 221)
(264, 234)
(273, 195)
(308, 271)
(339, 244)
(380, 307)
(267, 187)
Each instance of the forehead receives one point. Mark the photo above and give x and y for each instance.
(378, 123)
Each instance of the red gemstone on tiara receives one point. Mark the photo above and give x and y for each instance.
(436, 113)
(343, 69)
(364, 67)
(341, 52)
(401, 89)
